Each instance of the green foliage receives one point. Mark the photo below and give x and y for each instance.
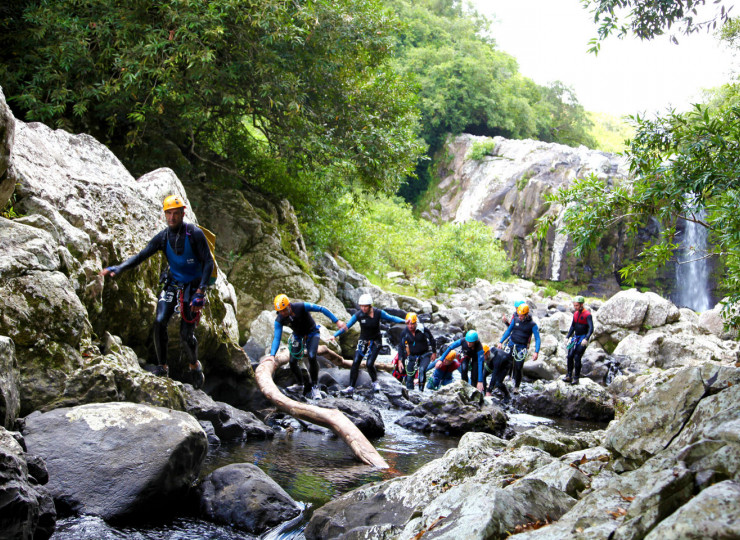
(521, 183)
(548, 292)
(560, 118)
(481, 149)
(610, 132)
(262, 92)
(9, 211)
(649, 18)
(380, 234)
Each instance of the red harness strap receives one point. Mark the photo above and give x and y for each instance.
(195, 319)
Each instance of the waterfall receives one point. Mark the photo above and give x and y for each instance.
(558, 249)
(692, 270)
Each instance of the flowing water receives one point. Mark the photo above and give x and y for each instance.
(313, 467)
(693, 270)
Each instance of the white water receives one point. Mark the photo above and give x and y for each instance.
(692, 270)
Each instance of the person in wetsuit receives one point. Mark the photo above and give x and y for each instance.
(581, 329)
(471, 358)
(190, 267)
(519, 332)
(498, 364)
(305, 337)
(370, 339)
(417, 350)
(443, 370)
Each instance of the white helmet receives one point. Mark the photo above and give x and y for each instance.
(365, 300)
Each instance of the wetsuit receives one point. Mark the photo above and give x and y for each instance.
(305, 337)
(442, 374)
(581, 329)
(498, 365)
(469, 352)
(519, 333)
(190, 268)
(416, 350)
(370, 341)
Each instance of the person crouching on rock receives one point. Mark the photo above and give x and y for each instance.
(417, 350)
(190, 267)
(443, 371)
(581, 329)
(303, 341)
(471, 358)
(370, 341)
(519, 332)
(498, 364)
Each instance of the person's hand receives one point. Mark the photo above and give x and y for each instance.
(332, 338)
(499, 345)
(584, 343)
(111, 271)
(535, 356)
(480, 387)
(434, 357)
(198, 301)
(438, 364)
(342, 325)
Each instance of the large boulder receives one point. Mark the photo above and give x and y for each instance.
(585, 401)
(366, 418)
(117, 460)
(7, 134)
(10, 398)
(660, 311)
(455, 409)
(242, 496)
(26, 507)
(229, 423)
(626, 309)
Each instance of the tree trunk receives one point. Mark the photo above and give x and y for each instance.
(330, 418)
(339, 361)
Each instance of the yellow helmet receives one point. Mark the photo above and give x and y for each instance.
(451, 355)
(281, 302)
(522, 310)
(411, 317)
(173, 201)
(486, 348)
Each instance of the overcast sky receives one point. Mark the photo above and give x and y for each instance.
(549, 39)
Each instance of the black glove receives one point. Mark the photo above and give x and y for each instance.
(199, 300)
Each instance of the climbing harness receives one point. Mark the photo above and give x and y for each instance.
(181, 298)
(297, 347)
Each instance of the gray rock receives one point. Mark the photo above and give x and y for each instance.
(660, 311)
(26, 508)
(626, 309)
(150, 456)
(584, 401)
(229, 423)
(242, 496)
(10, 399)
(552, 441)
(362, 415)
(7, 135)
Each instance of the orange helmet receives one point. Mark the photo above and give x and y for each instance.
(486, 348)
(173, 201)
(451, 355)
(522, 310)
(411, 317)
(281, 302)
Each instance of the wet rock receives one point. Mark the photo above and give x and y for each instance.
(713, 514)
(362, 415)
(10, 399)
(242, 496)
(584, 401)
(26, 508)
(455, 409)
(229, 423)
(151, 455)
(552, 441)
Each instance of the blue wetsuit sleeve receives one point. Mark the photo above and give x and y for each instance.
(320, 309)
(388, 317)
(451, 346)
(277, 336)
(481, 359)
(154, 245)
(350, 322)
(508, 331)
(536, 332)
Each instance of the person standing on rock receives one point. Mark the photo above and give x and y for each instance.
(443, 370)
(303, 341)
(498, 364)
(508, 318)
(471, 358)
(581, 329)
(519, 332)
(190, 268)
(370, 341)
(417, 350)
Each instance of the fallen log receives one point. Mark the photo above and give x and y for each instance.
(340, 361)
(330, 418)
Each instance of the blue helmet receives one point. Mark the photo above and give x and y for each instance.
(471, 336)
(518, 303)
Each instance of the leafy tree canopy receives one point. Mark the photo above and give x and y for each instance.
(262, 90)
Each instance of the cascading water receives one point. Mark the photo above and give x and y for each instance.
(692, 271)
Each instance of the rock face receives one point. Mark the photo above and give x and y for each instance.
(26, 507)
(584, 401)
(505, 190)
(115, 460)
(7, 134)
(10, 399)
(83, 211)
(243, 496)
(455, 409)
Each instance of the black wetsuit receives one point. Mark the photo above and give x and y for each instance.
(191, 265)
(499, 366)
(581, 329)
(417, 350)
